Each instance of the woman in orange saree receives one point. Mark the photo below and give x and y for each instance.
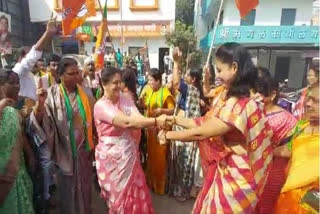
(157, 100)
(300, 193)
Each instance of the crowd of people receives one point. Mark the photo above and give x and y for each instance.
(226, 143)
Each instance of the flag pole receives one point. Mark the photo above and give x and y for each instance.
(121, 27)
(107, 25)
(214, 33)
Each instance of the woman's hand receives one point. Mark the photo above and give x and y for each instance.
(162, 137)
(5, 102)
(42, 95)
(161, 121)
(156, 112)
(177, 55)
(170, 120)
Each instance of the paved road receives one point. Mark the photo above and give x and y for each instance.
(162, 205)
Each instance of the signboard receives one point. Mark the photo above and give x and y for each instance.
(5, 29)
(146, 30)
(264, 35)
(129, 30)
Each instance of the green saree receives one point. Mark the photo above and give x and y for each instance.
(13, 175)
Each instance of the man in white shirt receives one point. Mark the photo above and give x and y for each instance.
(166, 61)
(109, 58)
(51, 77)
(26, 63)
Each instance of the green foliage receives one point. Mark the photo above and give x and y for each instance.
(183, 37)
(185, 11)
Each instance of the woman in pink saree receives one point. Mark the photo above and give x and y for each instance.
(120, 175)
(283, 125)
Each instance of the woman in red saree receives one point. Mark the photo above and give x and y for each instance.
(283, 125)
(233, 136)
(120, 175)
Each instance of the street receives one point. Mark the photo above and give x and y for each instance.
(162, 205)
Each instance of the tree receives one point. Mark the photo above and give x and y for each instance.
(183, 37)
(185, 11)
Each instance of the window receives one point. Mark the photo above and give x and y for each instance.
(212, 24)
(288, 16)
(221, 18)
(249, 19)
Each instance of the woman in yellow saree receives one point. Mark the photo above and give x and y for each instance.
(300, 192)
(157, 100)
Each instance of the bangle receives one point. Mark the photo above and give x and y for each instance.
(174, 120)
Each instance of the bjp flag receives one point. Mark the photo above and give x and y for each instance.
(75, 13)
(101, 40)
(245, 6)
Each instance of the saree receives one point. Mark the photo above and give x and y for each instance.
(183, 162)
(18, 199)
(282, 124)
(298, 110)
(70, 151)
(120, 175)
(303, 177)
(235, 165)
(156, 171)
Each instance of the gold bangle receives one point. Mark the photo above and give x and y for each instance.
(174, 120)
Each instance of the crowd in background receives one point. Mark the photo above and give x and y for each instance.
(228, 143)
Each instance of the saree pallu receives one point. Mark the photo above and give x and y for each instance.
(19, 198)
(156, 171)
(121, 177)
(282, 124)
(235, 165)
(303, 176)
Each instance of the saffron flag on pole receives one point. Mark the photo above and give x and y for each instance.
(101, 40)
(75, 13)
(245, 6)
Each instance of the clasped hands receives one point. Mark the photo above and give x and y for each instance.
(165, 123)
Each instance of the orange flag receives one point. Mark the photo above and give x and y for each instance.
(245, 6)
(75, 13)
(101, 40)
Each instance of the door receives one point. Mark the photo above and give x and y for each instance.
(282, 68)
(162, 52)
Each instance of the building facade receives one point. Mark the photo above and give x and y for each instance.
(133, 25)
(281, 34)
(22, 31)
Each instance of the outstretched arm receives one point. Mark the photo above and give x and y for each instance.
(211, 128)
(35, 53)
(177, 54)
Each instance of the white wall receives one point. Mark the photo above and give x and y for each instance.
(153, 47)
(40, 10)
(268, 12)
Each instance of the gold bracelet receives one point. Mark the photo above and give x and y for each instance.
(174, 120)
